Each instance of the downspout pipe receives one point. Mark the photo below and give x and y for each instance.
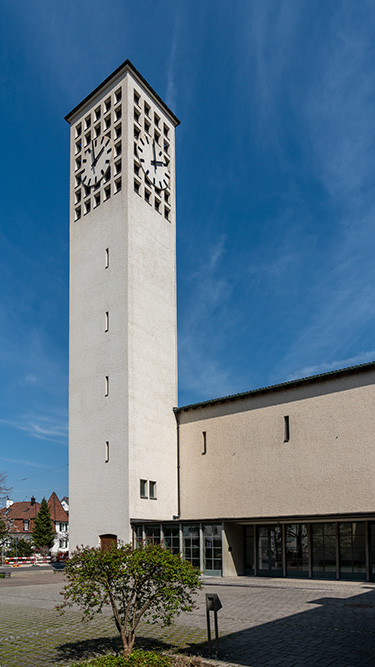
(177, 416)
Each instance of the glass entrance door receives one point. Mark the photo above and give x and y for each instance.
(212, 549)
(270, 551)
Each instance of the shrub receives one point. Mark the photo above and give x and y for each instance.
(141, 659)
(147, 582)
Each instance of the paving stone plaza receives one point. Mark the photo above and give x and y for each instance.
(263, 622)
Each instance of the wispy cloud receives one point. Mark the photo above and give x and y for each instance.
(23, 462)
(40, 427)
(306, 371)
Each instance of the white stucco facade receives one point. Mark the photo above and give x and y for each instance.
(123, 279)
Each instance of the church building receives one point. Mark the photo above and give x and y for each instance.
(278, 481)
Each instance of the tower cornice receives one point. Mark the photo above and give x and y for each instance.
(126, 66)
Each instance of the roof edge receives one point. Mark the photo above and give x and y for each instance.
(126, 65)
(277, 387)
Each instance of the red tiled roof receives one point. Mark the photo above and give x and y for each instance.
(22, 510)
(57, 511)
(26, 510)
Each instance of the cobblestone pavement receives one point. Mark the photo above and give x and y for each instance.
(263, 622)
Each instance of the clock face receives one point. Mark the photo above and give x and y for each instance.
(153, 162)
(96, 161)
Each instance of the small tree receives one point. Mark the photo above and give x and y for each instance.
(43, 533)
(4, 532)
(147, 582)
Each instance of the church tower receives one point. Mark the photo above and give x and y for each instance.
(123, 351)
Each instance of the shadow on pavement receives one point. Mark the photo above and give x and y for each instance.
(340, 632)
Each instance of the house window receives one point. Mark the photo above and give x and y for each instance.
(143, 488)
(153, 490)
(26, 525)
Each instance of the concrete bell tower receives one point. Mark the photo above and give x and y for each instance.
(123, 352)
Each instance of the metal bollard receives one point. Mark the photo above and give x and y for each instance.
(212, 604)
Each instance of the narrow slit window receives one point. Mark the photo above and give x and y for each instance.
(152, 490)
(106, 326)
(106, 460)
(106, 265)
(204, 442)
(143, 488)
(106, 385)
(286, 429)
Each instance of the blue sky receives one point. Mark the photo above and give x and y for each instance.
(275, 195)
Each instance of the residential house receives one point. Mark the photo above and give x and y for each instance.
(20, 517)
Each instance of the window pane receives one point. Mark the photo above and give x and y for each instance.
(138, 535)
(269, 549)
(249, 549)
(152, 533)
(172, 538)
(212, 549)
(324, 549)
(352, 549)
(297, 548)
(191, 544)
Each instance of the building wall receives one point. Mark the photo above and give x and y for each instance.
(138, 353)
(326, 467)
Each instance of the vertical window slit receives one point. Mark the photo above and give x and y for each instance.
(286, 429)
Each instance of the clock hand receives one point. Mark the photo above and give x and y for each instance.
(93, 152)
(158, 163)
(98, 156)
